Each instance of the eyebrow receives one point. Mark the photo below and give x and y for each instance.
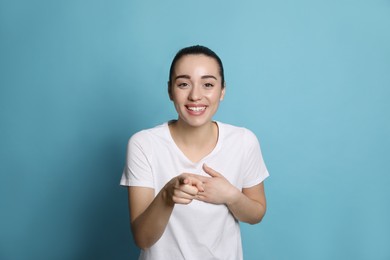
(188, 77)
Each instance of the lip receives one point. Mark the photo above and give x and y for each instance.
(196, 106)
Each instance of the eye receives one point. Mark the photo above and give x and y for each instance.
(208, 85)
(182, 85)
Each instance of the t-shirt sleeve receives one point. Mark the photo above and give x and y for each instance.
(255, 170)
(137, 170)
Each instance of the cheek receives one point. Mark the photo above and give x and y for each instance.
(178, 97)
(215, 96)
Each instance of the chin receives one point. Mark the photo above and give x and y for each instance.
(196, 122)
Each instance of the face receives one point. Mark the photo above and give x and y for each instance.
(196, 89)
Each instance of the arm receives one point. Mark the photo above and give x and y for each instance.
(149, 215)
(247, 206)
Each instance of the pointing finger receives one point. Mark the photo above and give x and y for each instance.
(184, 180)
(192, 181)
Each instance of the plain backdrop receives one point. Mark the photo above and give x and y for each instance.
(310, 78)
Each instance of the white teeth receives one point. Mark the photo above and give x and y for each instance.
(196, 109)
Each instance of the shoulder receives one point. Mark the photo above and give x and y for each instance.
(232, 131)
(146, 136)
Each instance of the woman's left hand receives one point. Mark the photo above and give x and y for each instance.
(217, 189)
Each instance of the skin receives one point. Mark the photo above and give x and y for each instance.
(196, 92)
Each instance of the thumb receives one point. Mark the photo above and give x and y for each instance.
(210, 171)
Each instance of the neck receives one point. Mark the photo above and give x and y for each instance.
(194, 136)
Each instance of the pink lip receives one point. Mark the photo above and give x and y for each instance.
(195, 105)
(196, 113)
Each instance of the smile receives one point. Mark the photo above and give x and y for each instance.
(196, 109)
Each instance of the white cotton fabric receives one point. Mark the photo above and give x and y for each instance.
(198, 230)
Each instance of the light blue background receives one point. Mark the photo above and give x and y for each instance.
(310, 78)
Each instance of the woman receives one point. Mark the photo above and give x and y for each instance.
(191, 180)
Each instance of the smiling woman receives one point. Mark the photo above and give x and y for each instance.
(196, 90)
(191, 180)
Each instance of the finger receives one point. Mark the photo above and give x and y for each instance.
(199, 186)
(188, 178)
(189, 189)
(179, 200)
(183, 180)
(197, 177)
(210, 171)
(201, 197)
(198, 183)
(196, 180)
(184, 195)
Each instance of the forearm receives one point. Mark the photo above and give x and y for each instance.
(150, 225)
(246, 209)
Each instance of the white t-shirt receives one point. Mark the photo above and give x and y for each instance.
(198, 230)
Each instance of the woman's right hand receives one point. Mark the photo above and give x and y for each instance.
(149, 214)
(183, 189)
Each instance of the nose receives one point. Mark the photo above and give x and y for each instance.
(195, 94)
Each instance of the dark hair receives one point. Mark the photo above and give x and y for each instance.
(195, 50)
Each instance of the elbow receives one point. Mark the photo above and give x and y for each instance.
(142, 242)
(253, 220)
(256, 220)
(258, 217)
(141, 239)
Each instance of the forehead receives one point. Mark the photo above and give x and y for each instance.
(192, 62)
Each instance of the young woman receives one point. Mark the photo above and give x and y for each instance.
(191, 180)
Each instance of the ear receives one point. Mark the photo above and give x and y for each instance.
(223, 92)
